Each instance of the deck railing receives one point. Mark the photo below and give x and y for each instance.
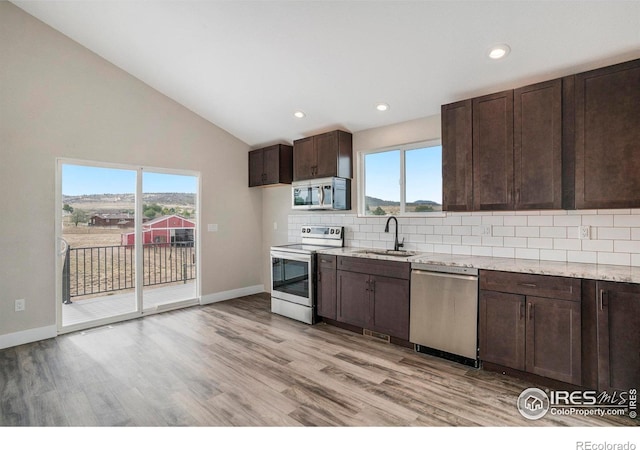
(96, 270)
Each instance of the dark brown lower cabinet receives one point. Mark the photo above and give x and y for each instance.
(326, 287)
(531, 333)
(618, 335)
(370, 300)
(502, 332)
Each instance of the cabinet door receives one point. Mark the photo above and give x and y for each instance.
(326, 147)
(493, 152)
(457, 162)
(607, 126)
(537, 146)
(326, 301)
(304, 159)
(352, 298)
(618, 336)
(390, 306)
(502, 329)
(256, 172)
(271, 164)
(553, 344)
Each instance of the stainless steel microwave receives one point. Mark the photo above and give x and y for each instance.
(324, 193)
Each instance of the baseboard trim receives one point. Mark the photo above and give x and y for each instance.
(28, 336)
(234, 293)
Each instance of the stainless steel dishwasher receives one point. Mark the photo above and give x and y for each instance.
(444, 312)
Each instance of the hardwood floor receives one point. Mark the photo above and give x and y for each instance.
(235, 364)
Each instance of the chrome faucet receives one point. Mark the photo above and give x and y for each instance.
(396, 244)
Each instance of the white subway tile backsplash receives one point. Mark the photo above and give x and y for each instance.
(539, 242)
(582, 257)
(461, 230)
(503, 231)
(614, 233)
(605, 220)
(461, 249)
(626, 221)
(515, 221)
(547, 235)
(492, 220)
(553, 232)
(626, 246)
(528, 253)
(504, 252)
(515, 242)
(442, 229)
(481, 251)
(567, 221)
(566, 244)
(597, 245)
(540, 221)
(553, 255)
(527, 231)
(620, 259)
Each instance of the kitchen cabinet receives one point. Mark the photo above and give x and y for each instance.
(324, 155)
(607, 137)
(374, 294)
(537, 146)
(618, 335)
(503, 151)
(271, 165)
(326, 287)
(531, 323)
(457, 162)
(493, 152)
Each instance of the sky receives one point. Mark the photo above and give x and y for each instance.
(423, 174)
(86, 180)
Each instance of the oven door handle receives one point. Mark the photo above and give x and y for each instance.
(291, 256)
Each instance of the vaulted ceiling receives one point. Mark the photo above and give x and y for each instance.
(247, 66)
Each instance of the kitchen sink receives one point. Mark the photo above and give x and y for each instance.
(398, 253)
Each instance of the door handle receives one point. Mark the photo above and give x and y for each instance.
(604, 299)
(531, 285)
(531, 311)
(373, 286)
(367, 283)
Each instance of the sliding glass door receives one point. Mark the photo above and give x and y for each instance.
(126, 240)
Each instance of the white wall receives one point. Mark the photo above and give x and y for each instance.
(58, 99)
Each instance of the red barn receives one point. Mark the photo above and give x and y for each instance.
(172, 229)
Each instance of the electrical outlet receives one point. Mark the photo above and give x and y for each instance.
(21, 304)
(485, 230)
(584, 232)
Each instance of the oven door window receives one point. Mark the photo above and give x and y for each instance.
(291, 277)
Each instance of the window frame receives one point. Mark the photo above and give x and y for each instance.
(403, 148)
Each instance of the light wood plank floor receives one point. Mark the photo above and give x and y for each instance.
(235, 364)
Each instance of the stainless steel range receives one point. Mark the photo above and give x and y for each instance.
(293, 287)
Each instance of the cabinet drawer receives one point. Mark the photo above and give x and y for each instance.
(394, 269)
(527, 284)
(327, 261)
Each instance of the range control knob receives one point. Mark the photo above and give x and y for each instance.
(308, 230)
(337, 230)
(332, 231)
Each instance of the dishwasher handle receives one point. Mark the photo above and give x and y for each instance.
(444, 275)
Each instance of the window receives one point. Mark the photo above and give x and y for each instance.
(402, 180)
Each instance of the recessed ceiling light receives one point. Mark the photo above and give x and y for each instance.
(299, 114)
(499, 51)
(382, 107)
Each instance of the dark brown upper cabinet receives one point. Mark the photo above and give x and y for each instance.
(493, 152)
(457, 157)
(271, 165)
(324, 155)
(537, 146)
(607, 137)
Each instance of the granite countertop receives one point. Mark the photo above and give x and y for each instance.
(625, 274)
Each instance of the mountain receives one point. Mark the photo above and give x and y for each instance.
(375, 202)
